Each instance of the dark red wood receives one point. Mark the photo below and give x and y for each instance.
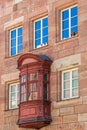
(34, 112)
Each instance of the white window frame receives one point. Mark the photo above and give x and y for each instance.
(70, 70)
(69, 21)
(16, 99)
(16, 40)
(41, 32)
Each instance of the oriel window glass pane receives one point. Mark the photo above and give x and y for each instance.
(23, 78)
(35, 87)
(45, 77)
(35, 95)
(33, 76)
(45, 91)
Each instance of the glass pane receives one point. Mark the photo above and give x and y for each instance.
(35, 95)
(33, 76)
(66, 76)
(75, 74)
(37, 43)
(65, 34)
(19, 31)
(37, 25)
(67, 85)
(65, 14)
(75, 30)
(30, 87)
(35, 87)
(45, 31)
(66, 93)
(45, 91)
(23, 78)
(30, 95)
(23, 97)
(45, 40)
(13, 51)
(18, 102)
(13, 88)
(75, 92)
(18, 95)
(45, 22)
(37, 34)
(74, 11)
(45, 77)
(23, 89)
(20, 40)
(74, 21)
(13, 34)
(13, 104)
(65, 24)
(13, 96)
(13, 42)
(75, 83)
(20, 48)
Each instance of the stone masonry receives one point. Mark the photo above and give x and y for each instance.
(68, 114)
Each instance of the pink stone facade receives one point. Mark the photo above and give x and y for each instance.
(66, 54)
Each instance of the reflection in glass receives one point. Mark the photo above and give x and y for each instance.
(45, 91)
(33, 91)
(32, 76)
(23, 78)
(23, 93)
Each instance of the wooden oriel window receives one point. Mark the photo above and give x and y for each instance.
(34, 108)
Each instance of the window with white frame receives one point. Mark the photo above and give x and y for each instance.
(70, 84)
(14, 92)
(16, 41)
(69, 22)
(41, 32)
